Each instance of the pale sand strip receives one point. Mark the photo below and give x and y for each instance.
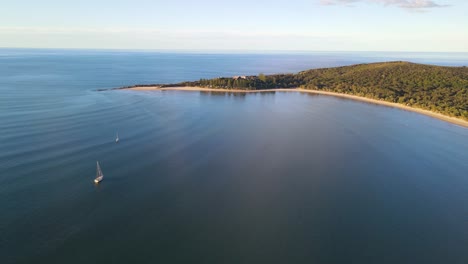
(453, 120)
(188, 88)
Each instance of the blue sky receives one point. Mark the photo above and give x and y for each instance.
(293, 25)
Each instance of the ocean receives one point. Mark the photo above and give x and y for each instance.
(203, 177)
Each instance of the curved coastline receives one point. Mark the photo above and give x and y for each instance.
(453, 120)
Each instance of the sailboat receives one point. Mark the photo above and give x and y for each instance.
(99, 175)
(117, 138)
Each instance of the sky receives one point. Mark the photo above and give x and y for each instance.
(273, 25)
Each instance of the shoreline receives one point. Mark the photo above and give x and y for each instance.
(453, 120)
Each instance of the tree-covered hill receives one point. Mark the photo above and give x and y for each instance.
(439, 89)
(435, 88)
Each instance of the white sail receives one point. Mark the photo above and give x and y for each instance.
(117, 137)
(99, 174)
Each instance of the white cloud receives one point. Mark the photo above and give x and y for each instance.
(406, 4)
(157, 32)
(156, 38)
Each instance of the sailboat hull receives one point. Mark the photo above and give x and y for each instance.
(98, 180)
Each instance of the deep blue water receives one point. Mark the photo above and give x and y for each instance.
(215, 177)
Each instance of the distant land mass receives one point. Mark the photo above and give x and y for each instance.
(438, 89)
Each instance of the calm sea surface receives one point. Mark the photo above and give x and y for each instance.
(215, 177)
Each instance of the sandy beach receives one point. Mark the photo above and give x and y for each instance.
(452, 120)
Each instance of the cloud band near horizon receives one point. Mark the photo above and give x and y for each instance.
(406, 4)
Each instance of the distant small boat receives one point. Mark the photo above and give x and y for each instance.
(117, 138)
(99, 175)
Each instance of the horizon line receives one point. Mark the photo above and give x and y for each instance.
(222, 50)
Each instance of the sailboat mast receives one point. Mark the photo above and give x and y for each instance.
(98, 171)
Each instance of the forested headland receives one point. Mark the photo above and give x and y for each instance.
(435, 88)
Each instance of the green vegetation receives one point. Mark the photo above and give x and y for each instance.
(435, 88)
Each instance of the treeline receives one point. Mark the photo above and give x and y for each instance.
(249, 82)
(435, 88)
